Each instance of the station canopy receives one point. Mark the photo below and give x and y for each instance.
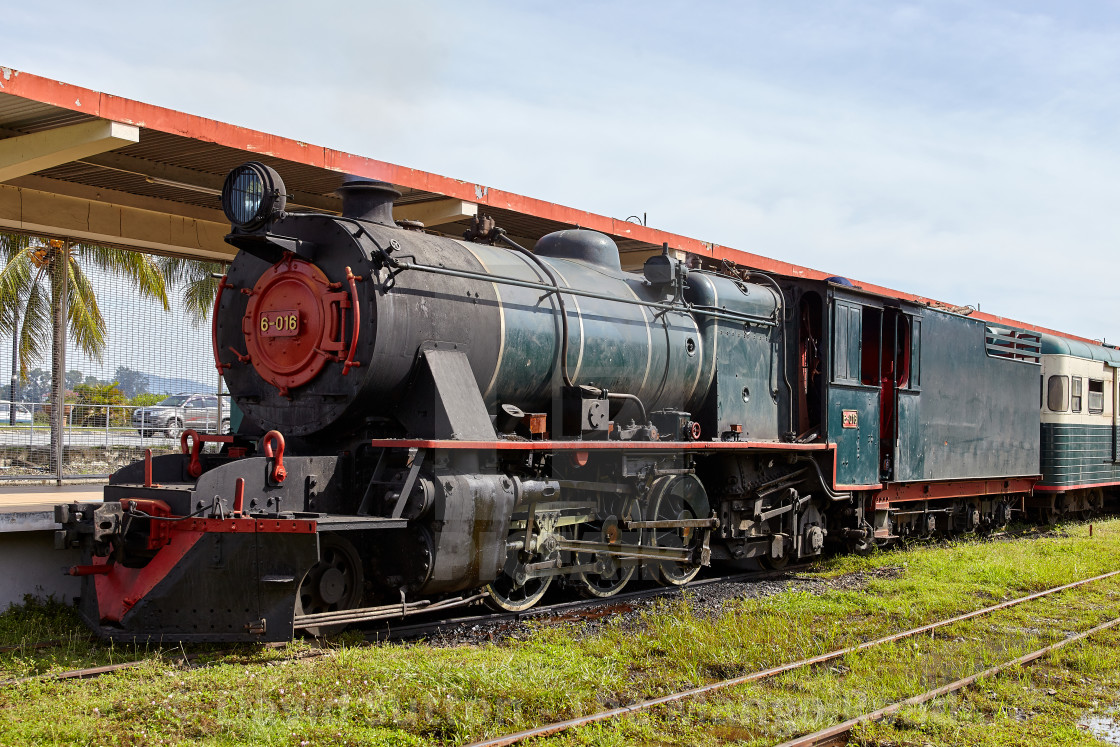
(80, 164)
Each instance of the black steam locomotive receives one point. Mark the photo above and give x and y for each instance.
(423, 422)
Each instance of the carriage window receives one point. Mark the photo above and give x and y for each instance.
(1057, 393)
(902, 351)
(870, 350)
(916, 355)
(1096, 396)
(846, 343)
(1075, 393)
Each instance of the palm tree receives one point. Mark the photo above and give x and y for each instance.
(31, 285)
(9, 318)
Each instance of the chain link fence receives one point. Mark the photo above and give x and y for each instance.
(136, 369)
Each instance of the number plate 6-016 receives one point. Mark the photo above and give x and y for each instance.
(279, 323)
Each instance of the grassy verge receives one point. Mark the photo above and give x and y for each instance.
(417, 694)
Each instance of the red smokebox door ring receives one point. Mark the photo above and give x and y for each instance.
(295, 323)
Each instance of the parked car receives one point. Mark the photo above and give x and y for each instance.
(23, 415)
(178, 412)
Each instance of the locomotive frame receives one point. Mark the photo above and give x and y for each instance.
(424, 422)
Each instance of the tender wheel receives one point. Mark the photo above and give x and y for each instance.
(332, 584)
(174, 428)
(1047, 514)
(1096, 501)
(616, 575)
(864, 545)
(773, 564)
(678, 497)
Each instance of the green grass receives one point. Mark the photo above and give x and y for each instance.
(418, 694)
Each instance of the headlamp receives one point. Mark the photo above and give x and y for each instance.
(252, 195)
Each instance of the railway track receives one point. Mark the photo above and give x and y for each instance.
(438, 622)
(183, 660)
(428, 627)
(839, 734)
(834, 734)
(405, 632)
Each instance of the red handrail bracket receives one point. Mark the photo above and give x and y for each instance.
(238, 497)
(148, 468)
(194, 469)
(273, 445)
(356, 311)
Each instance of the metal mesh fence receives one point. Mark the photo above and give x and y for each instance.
(132, 375)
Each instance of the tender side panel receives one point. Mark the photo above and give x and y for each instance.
(979, 411)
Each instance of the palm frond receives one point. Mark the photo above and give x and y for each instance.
(142, 269)
(17, 262)
(11, 244)
(199, 286)
(87, 326)
(15, 278)
(35, 332)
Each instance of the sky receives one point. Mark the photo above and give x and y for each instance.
(964, 151)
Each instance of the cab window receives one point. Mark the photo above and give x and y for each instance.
(1075, 394)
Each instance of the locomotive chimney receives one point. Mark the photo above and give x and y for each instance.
(368, 200)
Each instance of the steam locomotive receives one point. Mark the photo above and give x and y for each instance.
(422, 422)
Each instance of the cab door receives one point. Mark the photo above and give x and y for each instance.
(909, 456)
(854, 391)
(902, 455)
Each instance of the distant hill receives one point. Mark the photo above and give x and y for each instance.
(164, 385)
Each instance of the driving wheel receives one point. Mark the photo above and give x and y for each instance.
(615, 574)
(508, 594)
(678, 497)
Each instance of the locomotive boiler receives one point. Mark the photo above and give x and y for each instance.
(423, 422)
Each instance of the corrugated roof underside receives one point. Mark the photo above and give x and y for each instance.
(26, 116)
(205, 164)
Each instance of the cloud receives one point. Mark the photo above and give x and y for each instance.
(964, 151)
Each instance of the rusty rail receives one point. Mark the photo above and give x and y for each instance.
(560, 726)
(832, 733)
(91, 672)
(76, 674)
